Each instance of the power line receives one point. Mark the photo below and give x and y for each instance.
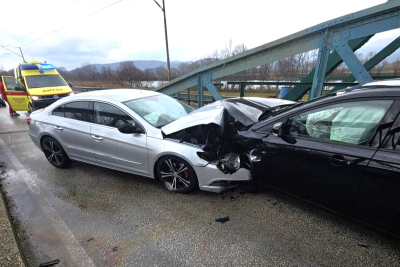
(10, 50)
(38, 28)
(68, 25)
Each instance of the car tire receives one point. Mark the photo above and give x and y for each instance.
(54, 153)
(30, 108)
(176, 174)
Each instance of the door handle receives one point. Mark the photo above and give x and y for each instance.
(339, 160)
(98, 138)
(58, 128)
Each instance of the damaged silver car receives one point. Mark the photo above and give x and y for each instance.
(153, 135)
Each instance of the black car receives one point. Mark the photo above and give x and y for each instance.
(341, 151)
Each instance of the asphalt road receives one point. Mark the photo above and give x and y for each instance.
(91, 216)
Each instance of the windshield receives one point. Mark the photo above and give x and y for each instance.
(159, 110)
(44, 81)
(283, 108)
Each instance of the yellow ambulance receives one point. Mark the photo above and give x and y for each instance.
(35, 85)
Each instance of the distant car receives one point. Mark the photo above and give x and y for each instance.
(151, 134)
(341, 151)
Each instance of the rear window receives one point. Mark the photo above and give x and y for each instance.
(79, 110)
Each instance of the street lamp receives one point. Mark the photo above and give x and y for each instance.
(166, 37)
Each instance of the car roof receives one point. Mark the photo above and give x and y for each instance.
(117, 95)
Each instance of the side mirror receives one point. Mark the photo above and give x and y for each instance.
(70, 85)
(130, 129)
(277, 129)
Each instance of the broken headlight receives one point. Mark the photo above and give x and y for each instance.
(255, 155)
(230, 163)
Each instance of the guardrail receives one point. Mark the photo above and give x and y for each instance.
(193, 97)
(88, 89)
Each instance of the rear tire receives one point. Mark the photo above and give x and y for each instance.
(176, 174)
(54, 153)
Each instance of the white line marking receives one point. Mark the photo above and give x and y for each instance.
(76, 251)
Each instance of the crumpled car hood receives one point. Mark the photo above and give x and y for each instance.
(212, 113)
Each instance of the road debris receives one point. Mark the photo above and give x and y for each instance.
(115, 249)
(222, 220)
(363, 245)
(90, 239)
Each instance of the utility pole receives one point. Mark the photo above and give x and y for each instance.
(22, 54)
(166, 37)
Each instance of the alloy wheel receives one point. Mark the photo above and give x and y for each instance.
(175, 174)
(53, 153)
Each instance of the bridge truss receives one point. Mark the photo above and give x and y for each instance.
(336, 41)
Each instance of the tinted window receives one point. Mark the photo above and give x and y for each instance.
(44, 81)
(80, 110)
(353, 122)
(109, 115)
(59, 111)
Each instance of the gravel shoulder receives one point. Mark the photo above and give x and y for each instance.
(9, 253)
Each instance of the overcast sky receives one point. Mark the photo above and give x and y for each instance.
(134, 29)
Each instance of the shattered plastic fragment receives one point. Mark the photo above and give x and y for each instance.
(222, 220)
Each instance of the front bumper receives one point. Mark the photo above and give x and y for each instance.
(213, 180)
(38, 104)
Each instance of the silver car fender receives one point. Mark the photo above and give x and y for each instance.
(158, 148)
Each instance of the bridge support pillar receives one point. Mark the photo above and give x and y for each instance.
(322, 63)
(205, 80)
(242, 87)
(346, 53)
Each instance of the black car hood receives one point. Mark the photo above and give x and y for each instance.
(244, 111)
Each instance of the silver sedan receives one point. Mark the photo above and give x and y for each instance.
(144, 133)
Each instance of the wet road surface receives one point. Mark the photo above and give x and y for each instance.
(92, 216)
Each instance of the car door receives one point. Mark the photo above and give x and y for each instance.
(324, 151)
(71, 127)
(378, 199)
(17, 95)
(113, 148)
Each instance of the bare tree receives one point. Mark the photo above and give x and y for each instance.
(129, 73)
(162, 73)
(87, 72)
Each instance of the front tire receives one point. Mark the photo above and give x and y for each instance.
(30, 108)
(54, 153)
(176, 174)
